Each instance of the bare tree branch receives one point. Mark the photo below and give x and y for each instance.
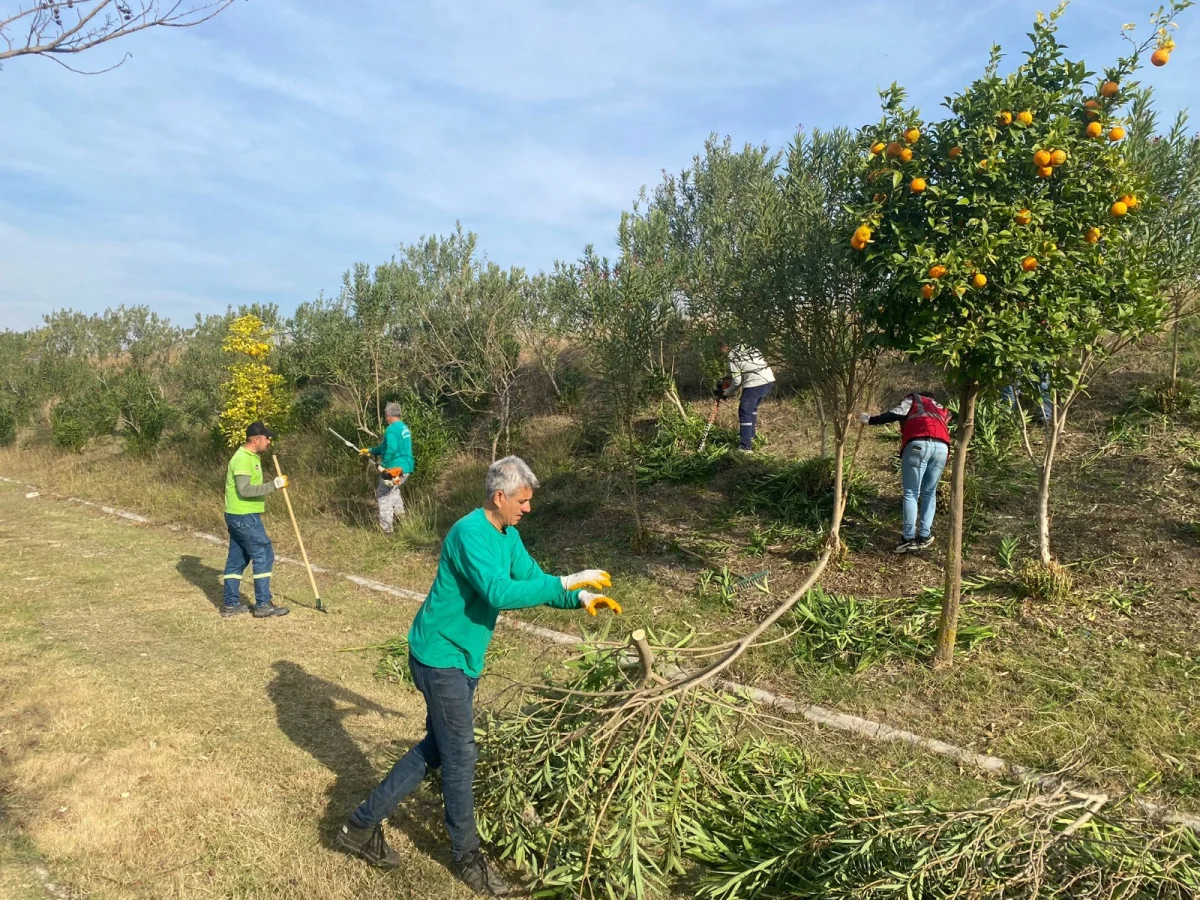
(58, 27)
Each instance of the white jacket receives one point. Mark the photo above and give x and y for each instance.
(748, 368)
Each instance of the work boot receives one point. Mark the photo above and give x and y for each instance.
(367, 844)
(266, 610)
(477, 873)
(228, 612)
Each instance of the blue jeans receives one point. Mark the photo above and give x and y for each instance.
(449, 744)
(248, 542)
(1010, 392)
(748, 412)
(921, 468)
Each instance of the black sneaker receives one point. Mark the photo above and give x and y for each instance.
(924, 543)
(477, 873)
(906, 545)
(266, 610)
(368, 844)
(228, 612)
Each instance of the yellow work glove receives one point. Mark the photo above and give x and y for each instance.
(593, 578)
(281, 482)
(363, 451)
(592, 602)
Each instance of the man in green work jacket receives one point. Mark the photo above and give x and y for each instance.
(395, 454)
(483, 569)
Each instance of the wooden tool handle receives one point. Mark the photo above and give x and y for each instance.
(299, 540)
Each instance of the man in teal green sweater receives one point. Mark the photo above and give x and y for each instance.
(396, 462)
(483, 569)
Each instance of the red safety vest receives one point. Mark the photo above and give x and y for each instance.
(926, 420)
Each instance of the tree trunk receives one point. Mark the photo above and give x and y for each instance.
(1175, 349)
(673, 394)
(948, 627)
(822, 420)
(638, 534)
(1053, 432)
(839, 501)
(378, 407)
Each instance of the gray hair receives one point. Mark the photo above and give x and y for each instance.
(509, 475)
(392, 409)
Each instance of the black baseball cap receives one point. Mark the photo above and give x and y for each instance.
(256, 428)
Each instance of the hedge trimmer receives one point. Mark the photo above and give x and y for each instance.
(392, 476)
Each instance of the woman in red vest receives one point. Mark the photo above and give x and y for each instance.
(924, 448)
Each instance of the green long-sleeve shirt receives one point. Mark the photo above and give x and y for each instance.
(481, 571)
(396, 451)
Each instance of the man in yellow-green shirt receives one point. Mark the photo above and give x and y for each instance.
(245, 501)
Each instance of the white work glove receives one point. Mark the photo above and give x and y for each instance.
(593, 578)
(280, 482)
(592, 602)
(865, 418)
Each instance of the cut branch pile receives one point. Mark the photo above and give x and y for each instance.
(632, 778)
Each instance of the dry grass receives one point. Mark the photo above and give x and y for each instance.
(150, 749)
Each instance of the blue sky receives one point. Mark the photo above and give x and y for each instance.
(255, 158)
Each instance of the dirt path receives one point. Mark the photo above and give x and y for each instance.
(149, 748)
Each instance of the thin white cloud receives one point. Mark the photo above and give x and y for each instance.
(258, 156)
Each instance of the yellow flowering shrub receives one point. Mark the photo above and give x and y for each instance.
(251, 392)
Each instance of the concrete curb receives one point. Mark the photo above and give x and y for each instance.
(818, 715)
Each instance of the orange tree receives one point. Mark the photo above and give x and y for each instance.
(1002, 237)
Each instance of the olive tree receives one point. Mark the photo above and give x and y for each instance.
(625, 314)
(466, 314)
(1170, 164)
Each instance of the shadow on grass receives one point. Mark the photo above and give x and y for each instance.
(311, 712)
(206, 578)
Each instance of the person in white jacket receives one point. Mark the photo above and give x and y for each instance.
(749, 371)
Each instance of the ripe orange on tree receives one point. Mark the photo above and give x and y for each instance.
(1023, 217)
(1041, 158)
(1131, 201)
(1025, 117)
(1005, 118)
(1116, 134)
(863, 233)
(857, 244)
(905, 155)
(917, 185)
(912, 135)
(1160, 57)
(1118, 209)
(955, 152)
(878, 147)
(1109, 89)
(927, 291)
(968, 332)
(937, 271)
(979, 280)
